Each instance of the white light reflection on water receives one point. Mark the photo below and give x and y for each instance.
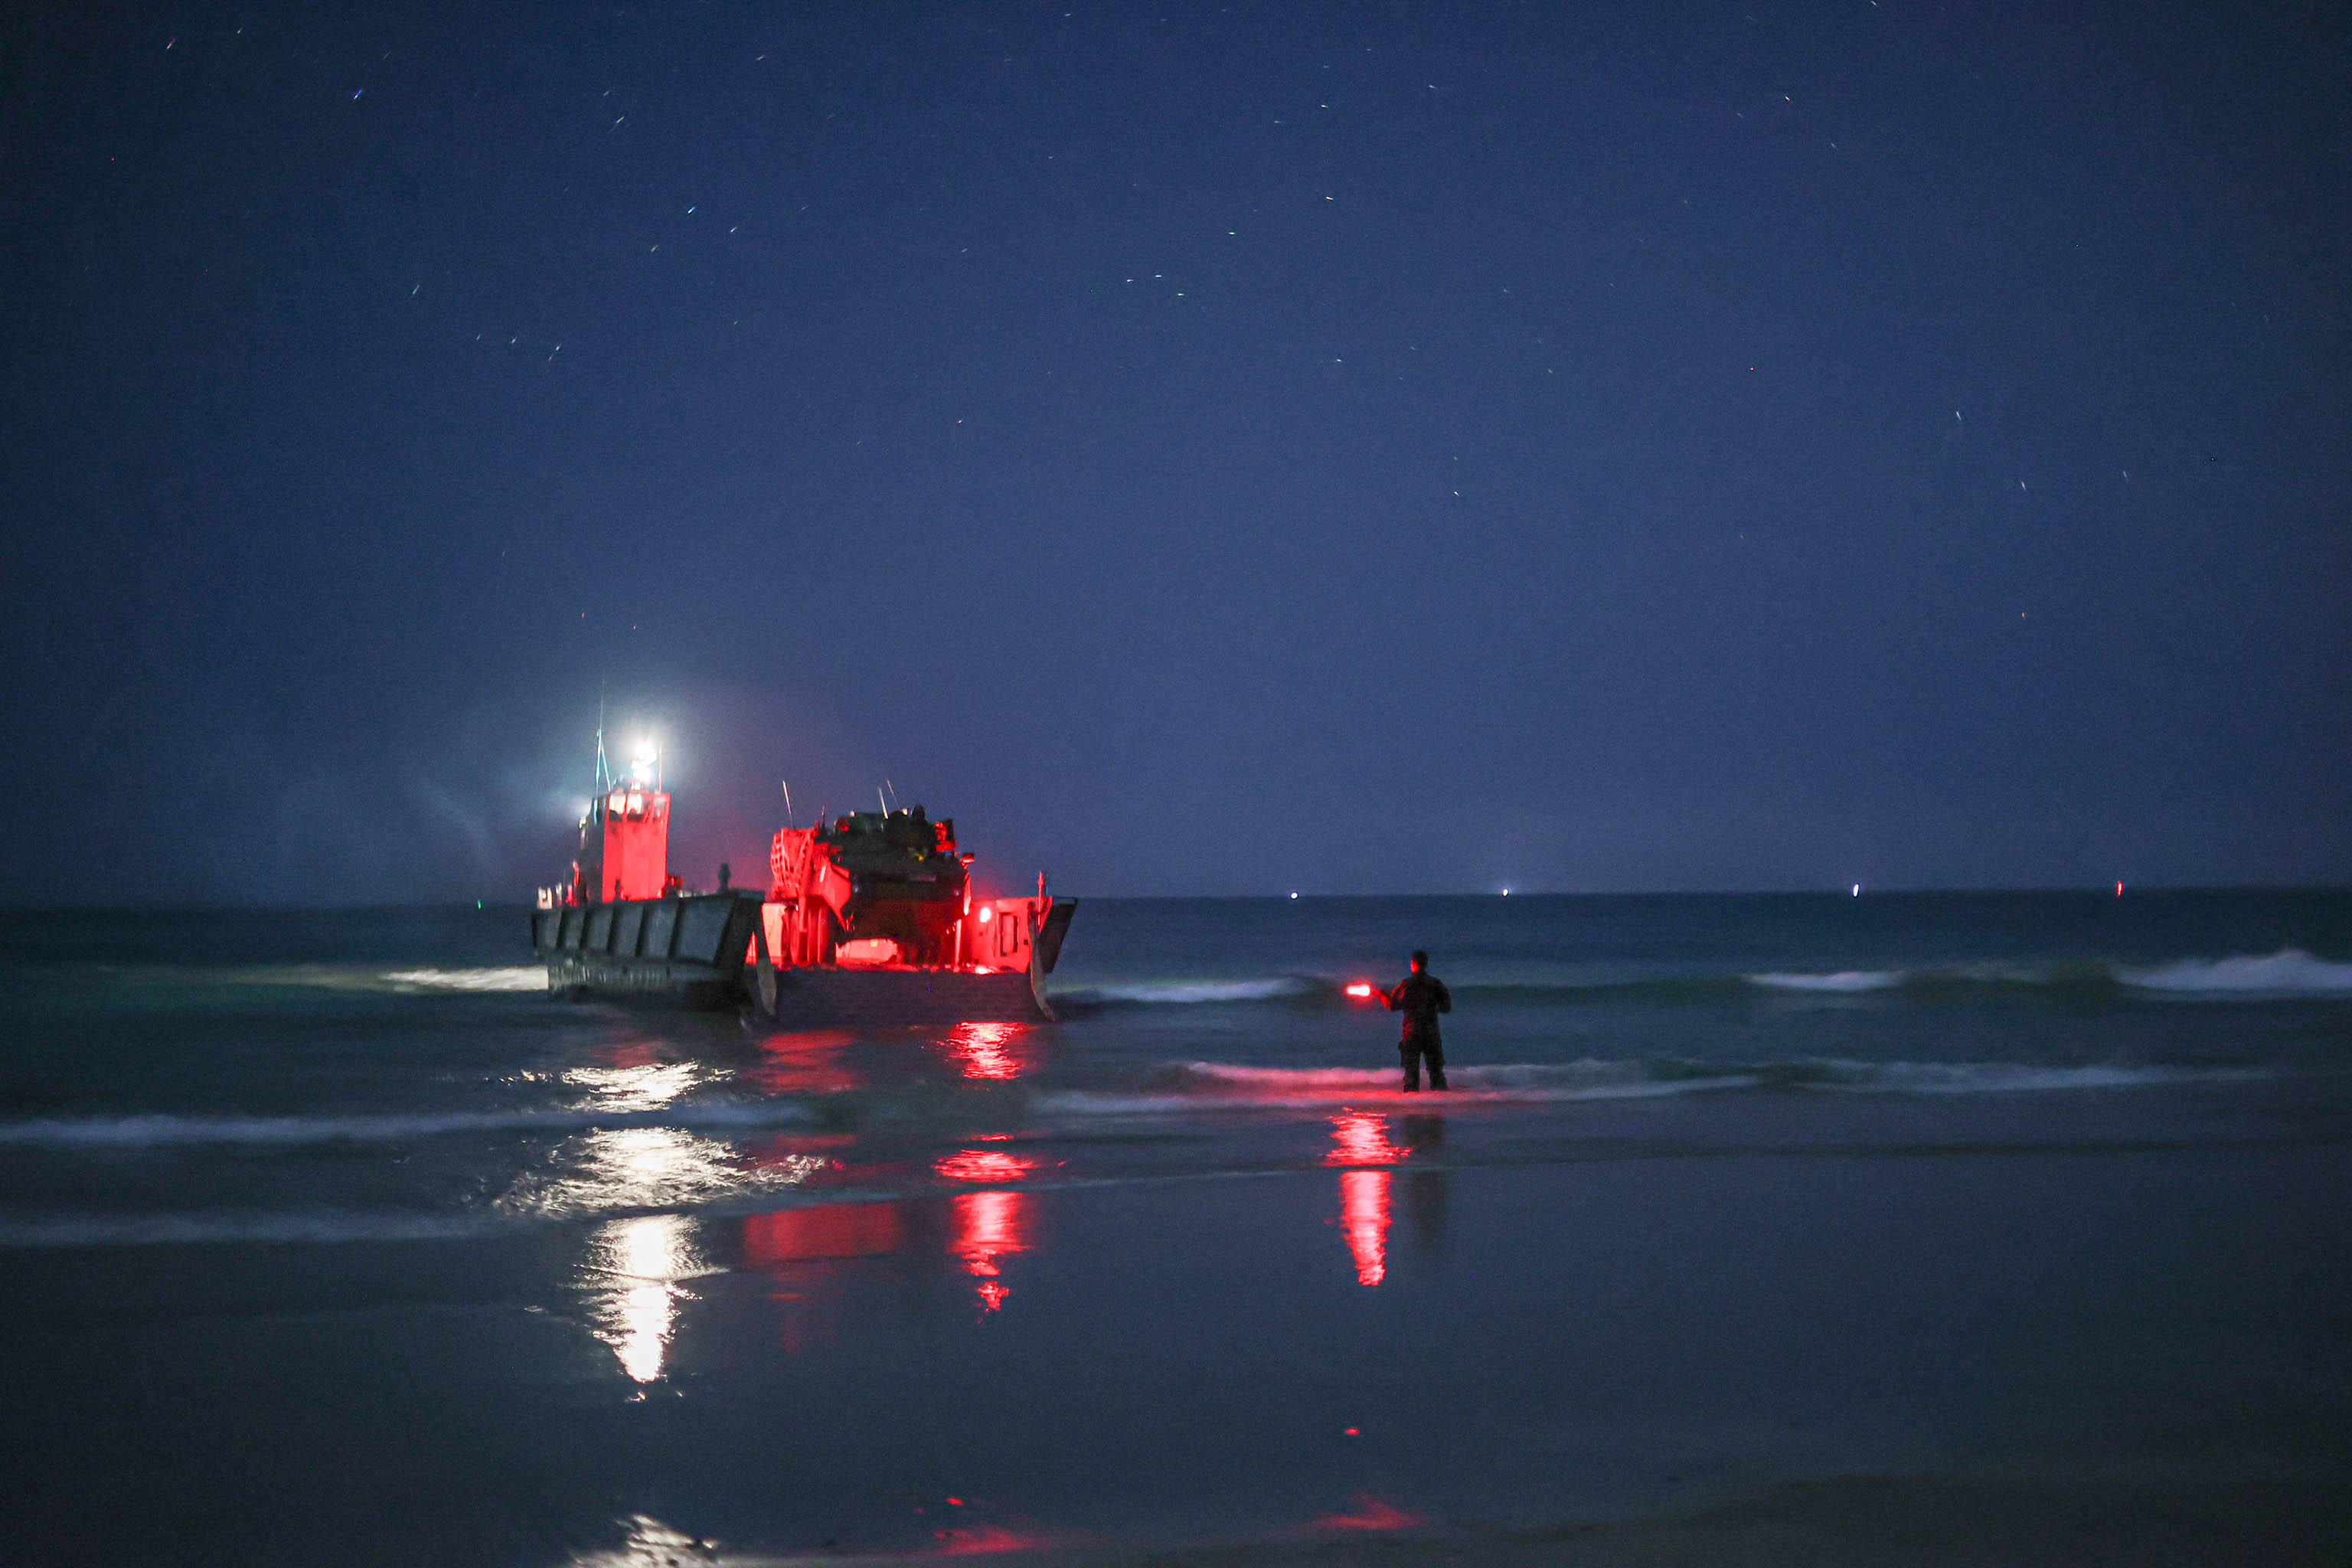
(633, 1275)
(645, 1167)
(650, 1544)
(635, 1266)
(647, 1086)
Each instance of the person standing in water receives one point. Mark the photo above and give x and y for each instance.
(1421, 996)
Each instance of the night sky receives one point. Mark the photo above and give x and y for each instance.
(1352, 447)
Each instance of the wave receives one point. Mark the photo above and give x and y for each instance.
(167, 1131)
(1187, 1086)
(2290, 971)
(307, 1227)
(1849, 980)
(1189, 993)
(517, 977)
(1987, 1077)
(1194, 1087)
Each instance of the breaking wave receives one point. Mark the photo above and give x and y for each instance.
(2290, 971)
(1184, 993)
(1848, 980)
(519, 977)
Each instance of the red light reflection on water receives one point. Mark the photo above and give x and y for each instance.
(1364, 1220)
(805, 1252)
(629, 1053)
(990, 1226)
(1370, 1513)
(1360, 1137)
(827, 1230)
(985, 1538)
(984, 1165)
(805, 1062)
(989, 1051)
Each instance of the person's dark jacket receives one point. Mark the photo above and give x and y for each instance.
(1420, 998)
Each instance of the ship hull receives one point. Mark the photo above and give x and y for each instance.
(887, 998)
(686, 951)
(709, 952)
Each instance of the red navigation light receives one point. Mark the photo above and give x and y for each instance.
(1361, 990)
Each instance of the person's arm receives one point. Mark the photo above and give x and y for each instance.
(1396, 992)
(1444, 997)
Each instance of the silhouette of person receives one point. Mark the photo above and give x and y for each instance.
(1421, 996)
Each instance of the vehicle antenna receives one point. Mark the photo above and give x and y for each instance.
(788, 802)
(884, 800)
(894, 793)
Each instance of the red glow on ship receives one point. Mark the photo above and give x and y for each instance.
(1364, 1221)
(990, 1226)
(1360, 1137)
(868, 916)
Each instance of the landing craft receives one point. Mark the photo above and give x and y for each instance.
(867, 919)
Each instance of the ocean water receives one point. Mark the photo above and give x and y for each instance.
(333, 1236)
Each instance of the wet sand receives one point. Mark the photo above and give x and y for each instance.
(2151, 1520)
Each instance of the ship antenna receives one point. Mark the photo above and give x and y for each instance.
(884, 800)
(604, 772)
(894, 793)
(788, 802)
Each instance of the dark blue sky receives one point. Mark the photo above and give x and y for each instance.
(1203, 449)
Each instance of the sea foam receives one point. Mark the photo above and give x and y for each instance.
(1848, 980)
(513, 977)
(2290, 971)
